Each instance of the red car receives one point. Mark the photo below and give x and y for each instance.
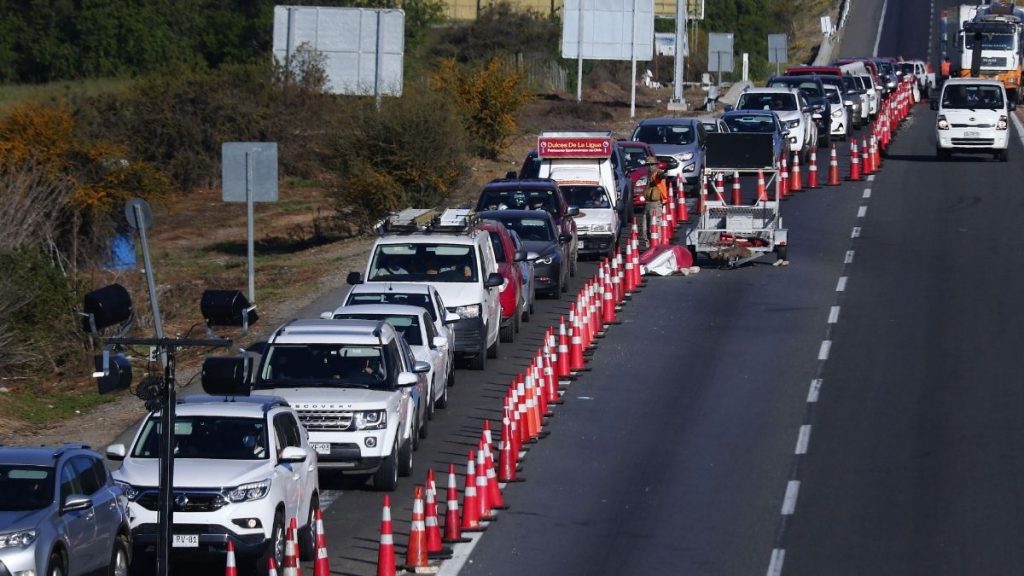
(511, 297)
(634, 157)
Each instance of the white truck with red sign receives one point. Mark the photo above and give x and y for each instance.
(584, 165)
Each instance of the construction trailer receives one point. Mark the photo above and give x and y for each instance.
(738, 233)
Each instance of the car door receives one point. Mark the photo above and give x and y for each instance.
(438, 356)
(445, 330)
(491, 295)
(79, 525)
(294, 475)
(96, 484)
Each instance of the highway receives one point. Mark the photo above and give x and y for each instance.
(856, 412)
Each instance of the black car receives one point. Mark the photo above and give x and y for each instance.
(813, 90)
(546, 248)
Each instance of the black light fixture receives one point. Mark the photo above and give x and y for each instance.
(105, 307)
(227, 308)
(113, 372)
(226, 375)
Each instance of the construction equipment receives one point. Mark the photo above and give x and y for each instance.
(738, 234)
(992, 45)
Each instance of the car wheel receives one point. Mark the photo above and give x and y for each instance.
(56, 565)
(519, 317)
(385, 479)
(431, 403)
(506, 333)
(526, 312)
(479, 361)
(1003, 155)
(405, 458)
(307, 533)
(274, 547)
(943, 154)
(451, 375)
(492, 351)
(120, 557)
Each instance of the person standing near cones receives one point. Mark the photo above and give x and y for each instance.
(944, 69)
(655, 194)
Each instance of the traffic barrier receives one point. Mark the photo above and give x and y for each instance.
(416, 551)
(854, 162)
(737, 193)
(762, 194)
(230, 567)
(271, 567)
(386, 550)
(796, 182)
(291, 551)
(812, 172)
(321, 562)
(833, 168)
(470, 504)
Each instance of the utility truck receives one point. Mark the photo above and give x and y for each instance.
(990, 40)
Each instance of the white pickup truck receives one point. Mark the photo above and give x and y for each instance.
(923, 73)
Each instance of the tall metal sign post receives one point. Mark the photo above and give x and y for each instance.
(720, 58)
(778, 50)
(249, 174)
(679, 70)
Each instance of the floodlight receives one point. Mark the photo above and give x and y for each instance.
(105, 307)
(227, 308)
(113, 372)
(226, 375)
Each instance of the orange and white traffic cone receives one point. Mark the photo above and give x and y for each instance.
(291, 551)
(720, 188)
(854, 162)
(452, 521)
(506, 458)
(470, 504)
(416, 552)
(386, 551)
(865, 160)
(494, 495)
(812, 172)
(617, 291)
(796, 181)
(682, 214)
(562, 367)
(627, 275)
(271, 567)
(876, 158)
(762, 193)
(576, 342)
(321, 563)
(784, 179)
(737, 193)
(833, 168)
(431, 521)
(607, 303)
(230, 567)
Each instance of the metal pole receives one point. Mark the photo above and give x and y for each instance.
(250, 216)
(679, 66)
(165, 504)
(579, 57)
(289, 45)
(376, 74)
(632, 59)
(158, 325)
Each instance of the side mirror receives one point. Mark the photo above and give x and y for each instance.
(293, 454)
(421, 367)
(326, 315)
(934, 104)
(451, 318)
(354, 278)
(563, 238)
(493, 280)
(116, 452)
(519, 256)
(532, 256)
(407, 380)
(573, 211)
(440, 342)
(785, 133)
(75, 502)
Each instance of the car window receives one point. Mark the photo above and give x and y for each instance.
(70, 483)
(207, 437)
(634, 156)
(531, 229)
(86, 472)
(287, 431)
(330, 365)
(586, 196)
(421, 262)
(421, 300)
(518, 199)
(751, 123)
(24, 488)
(678, 135)
(972, 96)
(408, 326)
(428, 327)
(832, 93)
(399, 350)
(440, 307)
(780, 102)
(499, 250)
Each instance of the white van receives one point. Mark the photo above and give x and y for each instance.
(974, 118)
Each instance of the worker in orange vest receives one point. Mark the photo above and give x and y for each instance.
(944, 68)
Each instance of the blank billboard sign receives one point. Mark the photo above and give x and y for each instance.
(362, 48)
(611, 29)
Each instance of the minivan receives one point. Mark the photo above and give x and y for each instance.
(973, 118)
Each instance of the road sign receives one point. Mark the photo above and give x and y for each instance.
(141, 218)
(610, 29)
(720, 58)
(778, 49)
(246, 164)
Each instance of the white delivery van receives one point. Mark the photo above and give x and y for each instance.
(973, 118)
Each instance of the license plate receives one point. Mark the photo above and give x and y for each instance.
(321, 447)
(185, 541)
(972, 134)
(582, 244)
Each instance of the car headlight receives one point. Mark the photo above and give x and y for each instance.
(690, 167)
(371, 420)
(942, 123)
(546, 259)
(468, 311)
(642, 181)
(18, 539)
(838, 113)
(793, 124)
(1001, 124)
(685, 156)
(130, 492)
(249, 492)
(601, 228)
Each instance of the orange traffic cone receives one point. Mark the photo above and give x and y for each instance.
(230, 568)
(627, 275)
(854, 162)
(386, 551)
(762, 194)
(291, 552)
(470, 504)
(784, 179)
(321, 564)
(876, 158)
(796, 182)
(607, 303)
(494, 495)
(865, 161)
(576, 342)
(452, 522)
(506, 459)
(833, 168)
(416, 553)
(271, 567)
(435, 547)
(719, 188)
(682, 214)
(812, 172)
(737, 193)
(562, 367)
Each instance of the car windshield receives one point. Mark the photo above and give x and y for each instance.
(678, 135)
(325, 365)
(808, 89)
(531, 229)
(207, 437)
(421, 300)
(408, 326)
(25, 488)
(423, 263)
(778, 102)
(585, 196)
(518, 199)
(633, 156)
(832, 93)
(990, 41)
(759, 123)
(907, 67)
(972, 96)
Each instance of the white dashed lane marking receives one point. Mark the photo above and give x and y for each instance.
(862, 211)
(867, 193)
(775, 566)
(841, 284)
(849, 257)
(803, 439)
(855, 233)
(833, 315)
(789, 502)
(826, 346)
(814, 391)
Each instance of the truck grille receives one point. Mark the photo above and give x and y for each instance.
(326, 420)
(185, 501)
(973, 142)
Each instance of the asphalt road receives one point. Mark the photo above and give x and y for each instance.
(853, 413)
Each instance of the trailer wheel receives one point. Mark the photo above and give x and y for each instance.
(782, 252)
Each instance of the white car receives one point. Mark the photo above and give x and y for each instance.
(840, 121)
(973, 118)
(243, 467)
(358, 390)
(793, 111)
(597, 223)
(874, 93)
(412, 294)
(414, 324)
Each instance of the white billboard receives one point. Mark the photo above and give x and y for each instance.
(609, 29)
(362, 48)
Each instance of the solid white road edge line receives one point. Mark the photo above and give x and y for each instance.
(881, 24)
(803, 439)
(789, 502)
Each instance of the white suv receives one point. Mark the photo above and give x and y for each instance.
(358, 391)
(973, 118)
(793, 111)
(242, 469)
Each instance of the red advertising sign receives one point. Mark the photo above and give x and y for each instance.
(574, 147)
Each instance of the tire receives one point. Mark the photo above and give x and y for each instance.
(1003, 155)
(417, 430)
(307, 533)
(525, 316)
(479, 361)
(274, 547)
(55, 567)
(942, 154)
(824, 140)
(385, 479)
(120, 557)
(518, 319)
(405, 459)
(492, 350)
(506, 333)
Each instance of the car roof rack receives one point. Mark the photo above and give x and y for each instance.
(428, 220)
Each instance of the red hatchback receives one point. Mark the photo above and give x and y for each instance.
(634, 158)
(511, 296)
